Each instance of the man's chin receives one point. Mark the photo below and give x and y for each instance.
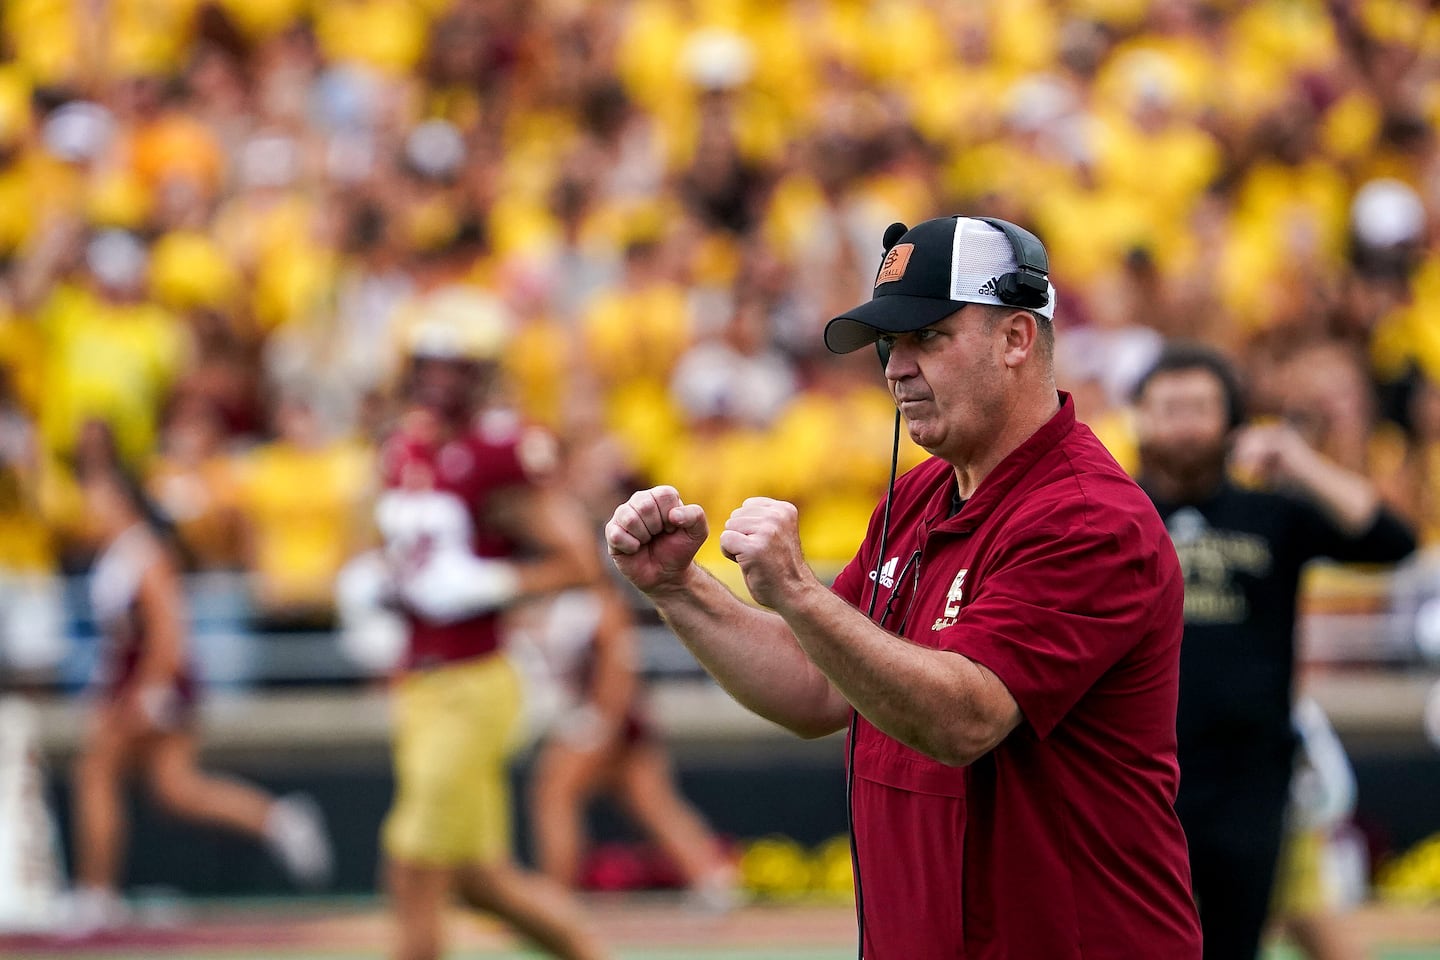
(1184, 462)
(919, 436)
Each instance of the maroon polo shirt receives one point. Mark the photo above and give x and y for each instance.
(1062, 842)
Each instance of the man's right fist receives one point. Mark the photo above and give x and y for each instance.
(653, 537)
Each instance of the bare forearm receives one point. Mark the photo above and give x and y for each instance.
(934, 701)
(561, 571)
(555, 534)
(1350, 499)
(753, 655)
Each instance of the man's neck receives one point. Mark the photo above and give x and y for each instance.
(1026, 415)
(1189, 487)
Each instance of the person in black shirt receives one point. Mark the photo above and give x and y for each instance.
(1242, 551)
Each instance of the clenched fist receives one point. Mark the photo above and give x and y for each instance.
(763, 536)
(653, 537)
(1272, 453)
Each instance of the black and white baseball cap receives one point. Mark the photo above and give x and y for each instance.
(933, 267)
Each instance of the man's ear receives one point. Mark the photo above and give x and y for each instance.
(1022, 336)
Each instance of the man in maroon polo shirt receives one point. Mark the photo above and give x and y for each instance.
(1007, 663)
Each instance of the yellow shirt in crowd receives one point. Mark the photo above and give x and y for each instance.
(108, 361)
(301, 507)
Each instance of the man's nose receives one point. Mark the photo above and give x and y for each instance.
(899, 362)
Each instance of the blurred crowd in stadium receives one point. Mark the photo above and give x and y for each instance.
(218, 220)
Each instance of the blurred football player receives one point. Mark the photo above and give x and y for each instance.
(470, 524)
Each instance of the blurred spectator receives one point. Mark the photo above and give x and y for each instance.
(225, 372)
(1242, 549)
(193, 482)
(720, 187)
(831, 453)
(31, 628)
(542, 363)
(720, 459)
(302, 500)
(110, 351)
(1101, 361)
(586, 262)
(370, 289)
(25, 541)
(167, 148)
(634, 333)
(1323, 392)
(1416, 489)
(203, 203)
(637, 329)
(738, 374)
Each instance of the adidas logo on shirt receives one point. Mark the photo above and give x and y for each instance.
(887, 573)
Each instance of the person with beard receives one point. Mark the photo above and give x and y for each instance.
(1242, 550)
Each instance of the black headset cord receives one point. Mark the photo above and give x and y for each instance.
(855, 714)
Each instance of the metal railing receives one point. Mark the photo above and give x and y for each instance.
(230, 647)
(1388, 619)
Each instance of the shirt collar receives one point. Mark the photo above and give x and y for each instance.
(1006, 476)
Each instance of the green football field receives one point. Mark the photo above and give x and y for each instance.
(638, 929)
